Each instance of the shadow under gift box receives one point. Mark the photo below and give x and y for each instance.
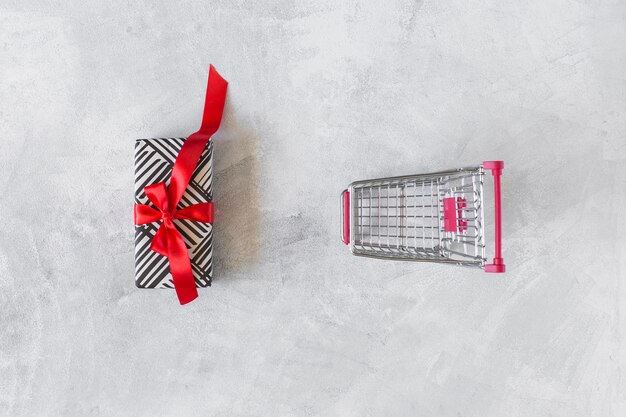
(154, 159)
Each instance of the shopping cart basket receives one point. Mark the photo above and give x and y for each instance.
(430, 217)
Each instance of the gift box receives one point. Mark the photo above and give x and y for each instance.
(173, 211)
(154, 159)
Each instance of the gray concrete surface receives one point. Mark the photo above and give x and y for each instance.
(321, 93)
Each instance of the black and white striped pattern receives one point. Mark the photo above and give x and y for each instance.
(154, 159)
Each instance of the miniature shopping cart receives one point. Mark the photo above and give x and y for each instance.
(435, 217)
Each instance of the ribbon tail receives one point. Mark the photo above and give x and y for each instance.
(193, 147)
(180, 266)
(160, 241)
(213, 102)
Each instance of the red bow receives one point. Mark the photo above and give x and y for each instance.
(168, 241)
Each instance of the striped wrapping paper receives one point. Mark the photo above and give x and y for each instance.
(154, 159)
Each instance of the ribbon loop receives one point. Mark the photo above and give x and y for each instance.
(168, 241)
(202, 212)
(157, 194)
(145, 214)
(193, 147)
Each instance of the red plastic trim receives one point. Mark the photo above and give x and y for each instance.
(346, 217)
(449, 214)
(496, 168)
(453, 214)
(461, 204)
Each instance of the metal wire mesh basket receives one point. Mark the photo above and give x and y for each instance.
(436, 217)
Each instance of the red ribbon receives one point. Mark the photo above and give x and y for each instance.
(168, 241)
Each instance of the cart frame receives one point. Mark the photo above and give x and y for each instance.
(446, 207)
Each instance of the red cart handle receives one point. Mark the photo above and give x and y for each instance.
(345, 217)
(496, 168)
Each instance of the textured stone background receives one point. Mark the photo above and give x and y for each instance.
(321, 93)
